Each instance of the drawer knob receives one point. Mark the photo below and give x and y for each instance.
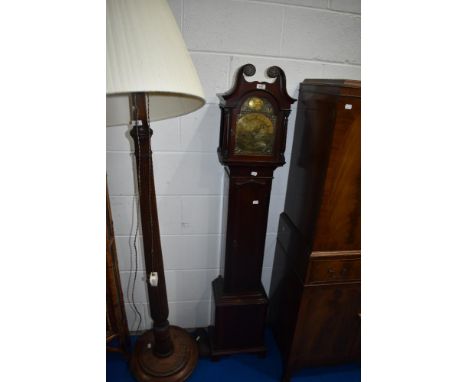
(331, 272)
(344, 271)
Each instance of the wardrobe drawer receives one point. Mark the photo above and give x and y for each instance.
(330, 270)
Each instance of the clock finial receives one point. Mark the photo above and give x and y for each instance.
(249, 70)
(273, 71)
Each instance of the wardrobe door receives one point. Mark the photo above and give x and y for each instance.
(329, 324)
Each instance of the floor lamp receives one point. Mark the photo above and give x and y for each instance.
(151, 77)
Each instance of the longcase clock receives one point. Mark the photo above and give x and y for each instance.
(254, 118)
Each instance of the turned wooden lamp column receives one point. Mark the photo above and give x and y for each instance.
(141, 134)
(151, 77)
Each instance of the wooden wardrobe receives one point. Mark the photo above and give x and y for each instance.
(315, 286)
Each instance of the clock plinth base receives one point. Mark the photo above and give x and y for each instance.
(260, 351)
(146, 367)
(239, 322)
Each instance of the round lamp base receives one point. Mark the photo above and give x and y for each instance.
(146, 367)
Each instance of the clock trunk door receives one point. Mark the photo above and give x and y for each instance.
(245, 239)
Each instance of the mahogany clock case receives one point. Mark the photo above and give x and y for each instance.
(253, 129)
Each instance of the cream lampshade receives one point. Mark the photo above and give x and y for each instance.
(146, 53)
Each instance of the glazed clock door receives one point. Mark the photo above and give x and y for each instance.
(248, 213)
(255, 128)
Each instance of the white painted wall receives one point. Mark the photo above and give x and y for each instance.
(307, 39)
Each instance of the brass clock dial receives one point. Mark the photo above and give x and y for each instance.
(255, 103)
(255, 128)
